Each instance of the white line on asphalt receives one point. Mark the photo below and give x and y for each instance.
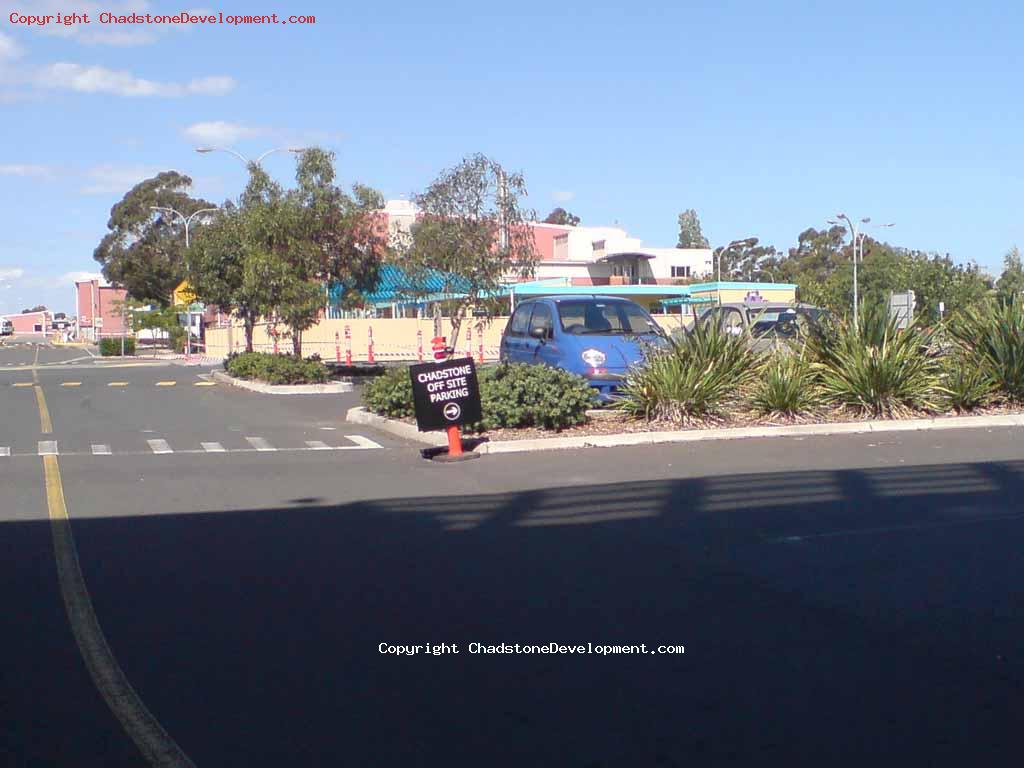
(100, 450)
(260, 444)
(159, 446)
(5, 451)
(363, 442)
(47, 447)
(317, 445)
(213, 447)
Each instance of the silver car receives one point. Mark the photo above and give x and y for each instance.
(769, 325)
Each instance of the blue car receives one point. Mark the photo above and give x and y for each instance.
(597, 337)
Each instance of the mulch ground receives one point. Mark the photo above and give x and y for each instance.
(610, 425)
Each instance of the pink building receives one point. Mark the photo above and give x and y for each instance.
(32, 322)
(99, 310)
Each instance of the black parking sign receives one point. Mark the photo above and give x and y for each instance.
(446, 394)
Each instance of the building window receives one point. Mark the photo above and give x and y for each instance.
(681, 271)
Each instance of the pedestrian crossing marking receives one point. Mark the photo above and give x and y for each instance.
(100, 450)
(5, 451)
(159, 446)
(363, 442)
(166, 383)
(205, 384)
(213, 447)
(260, 444)
(118, 384)
(22, 384)
(317, 445)
(47, 447)
(71, 383)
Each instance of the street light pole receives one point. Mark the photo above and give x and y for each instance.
(748, 241)
(244, 159)
(853, 241)
(188, 222)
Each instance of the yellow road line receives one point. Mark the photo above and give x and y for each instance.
(71, 383)
(118, 384)
(166, 383)
(45, 425)
(140, 725)
(153, 741)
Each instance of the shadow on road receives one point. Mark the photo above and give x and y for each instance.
(837, 618)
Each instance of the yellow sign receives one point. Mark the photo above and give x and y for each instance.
(183, 295)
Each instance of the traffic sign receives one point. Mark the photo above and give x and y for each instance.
(446, 394)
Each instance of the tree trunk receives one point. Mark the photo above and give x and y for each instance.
(248, 332)
(297, 343)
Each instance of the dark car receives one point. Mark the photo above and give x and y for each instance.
(769, 324)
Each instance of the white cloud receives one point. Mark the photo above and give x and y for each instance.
(562, 195)
(95, 79)
(9, 48)
(115, 180)
(218, 132)
(25, 170)
(81, 277)
(9, 274)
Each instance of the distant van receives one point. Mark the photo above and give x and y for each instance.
(6, 328)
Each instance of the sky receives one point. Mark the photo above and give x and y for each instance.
(767, 118)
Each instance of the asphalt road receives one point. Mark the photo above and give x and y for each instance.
(841, 600)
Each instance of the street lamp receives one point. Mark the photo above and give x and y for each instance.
(244, 159)
(188, 222)
(749, 242)
(857, 240)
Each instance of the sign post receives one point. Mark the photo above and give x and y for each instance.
(447, 395)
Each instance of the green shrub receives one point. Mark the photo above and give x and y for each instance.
(276, 369)
(965, 386)
(876, 368)
(390, 394)
(788, 386)
(697, 375)
(519, 395)
(510, 396)
(111, 347)
(992, 339)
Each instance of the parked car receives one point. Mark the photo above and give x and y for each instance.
(597, 337)
(6, 328)
(769, 324)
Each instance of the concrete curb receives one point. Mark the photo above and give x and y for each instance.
(409, 432)
(394, 427)
(334, 388)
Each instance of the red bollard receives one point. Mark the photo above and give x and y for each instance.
(469, 341)
(438, 346)
(454, 441)
(419, 345)
(348, 345)
(337, 348)
(369, 331)
(480, 347)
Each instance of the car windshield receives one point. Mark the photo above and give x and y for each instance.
(611, 318)
(782, 321)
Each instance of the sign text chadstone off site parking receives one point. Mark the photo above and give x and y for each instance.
(445, 394)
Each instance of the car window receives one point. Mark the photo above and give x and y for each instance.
(542, 319)
(604, 317)
(731, 321)
(519, 325)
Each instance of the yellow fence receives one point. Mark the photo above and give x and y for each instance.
(391, 339)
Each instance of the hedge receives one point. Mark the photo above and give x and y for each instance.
(111, 347)
(276, 369)
(510, 396)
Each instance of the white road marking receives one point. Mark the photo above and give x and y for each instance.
(363, 442)
(317, 445)
(100, 450)
(47, 447)
(5, 451)
(159, 446)
(213, 447)
(260, 444)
